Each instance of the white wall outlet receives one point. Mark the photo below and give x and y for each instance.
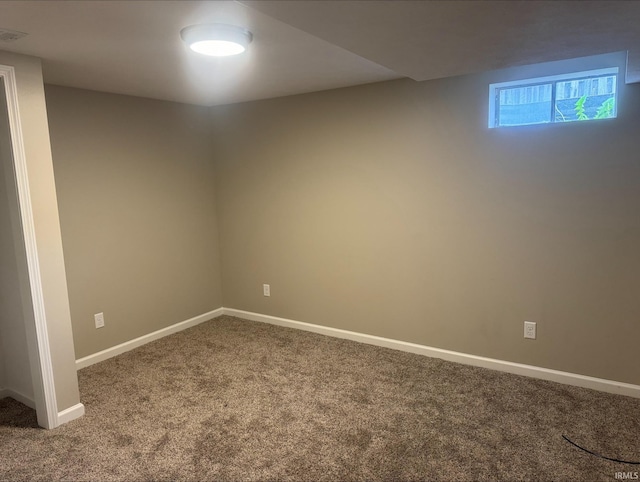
(266, 290)
(530, 329)
(99, 319)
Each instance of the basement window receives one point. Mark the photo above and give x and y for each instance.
(579, 96)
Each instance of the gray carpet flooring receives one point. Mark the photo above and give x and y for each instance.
(237, 400)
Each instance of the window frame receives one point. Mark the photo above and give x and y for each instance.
(496, 88)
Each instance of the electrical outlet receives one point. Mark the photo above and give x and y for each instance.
(530, 329)
(266, 290)
(99, 319)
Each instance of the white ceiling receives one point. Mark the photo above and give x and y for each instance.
(134, 47)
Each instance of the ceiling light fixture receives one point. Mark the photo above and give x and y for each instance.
(218, 40)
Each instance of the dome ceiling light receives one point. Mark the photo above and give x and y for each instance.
(218, 40)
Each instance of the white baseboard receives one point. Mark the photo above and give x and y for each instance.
(70, 413)
(18, 397)
(601, 384)
(567, 378)
(143, 340)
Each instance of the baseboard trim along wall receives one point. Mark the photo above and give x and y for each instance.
(601, 384)
(143, 340)
(567, 378)
(71, 413)
(18, 397)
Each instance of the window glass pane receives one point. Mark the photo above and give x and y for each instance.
(574, 96)
(530, 104)
(585, 99)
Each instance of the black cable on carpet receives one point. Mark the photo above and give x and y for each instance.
(598, 455)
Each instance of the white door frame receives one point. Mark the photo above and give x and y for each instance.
(39, 352)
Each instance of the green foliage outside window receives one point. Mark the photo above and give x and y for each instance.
(605, 111)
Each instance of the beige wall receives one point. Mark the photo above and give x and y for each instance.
(35, 133)
(391, 209)
(137, 208)
(15, 367)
